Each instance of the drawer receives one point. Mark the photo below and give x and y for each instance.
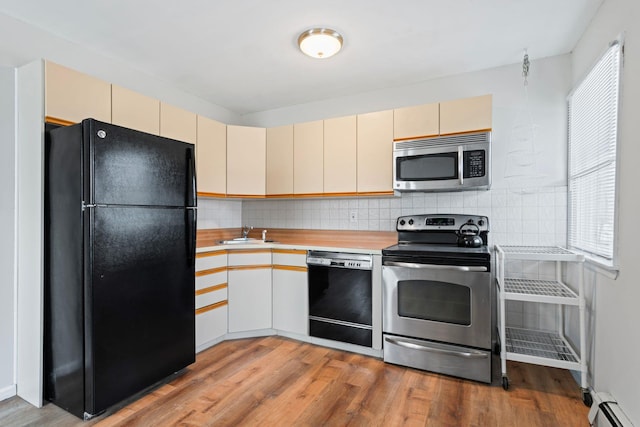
(250, 257)
(297, 258)
(211, 279)
(209, 260)
(211, 323)
(211, 295)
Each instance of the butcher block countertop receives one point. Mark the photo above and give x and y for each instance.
(332, 240)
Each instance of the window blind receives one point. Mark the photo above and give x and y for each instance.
(593, 134)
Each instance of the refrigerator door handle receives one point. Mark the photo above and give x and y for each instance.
(191, 176)
(190, 224)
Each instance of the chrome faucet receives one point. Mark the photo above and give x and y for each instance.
(245, 231)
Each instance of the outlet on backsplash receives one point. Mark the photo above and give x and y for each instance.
(353, 216)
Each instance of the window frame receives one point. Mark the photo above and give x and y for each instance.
(607, 266)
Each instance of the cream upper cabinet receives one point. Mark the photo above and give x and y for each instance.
(211, 157)
(375, 152)
(415, 122)
(176, 123)
(71, 96)
(280, 160)
(246, 161)
(308, 166)
(340, 155)
(135, 111)
(466, 115)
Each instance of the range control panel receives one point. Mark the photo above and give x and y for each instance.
(340, 260)
(441, 222)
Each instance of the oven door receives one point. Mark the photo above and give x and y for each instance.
(447, 303)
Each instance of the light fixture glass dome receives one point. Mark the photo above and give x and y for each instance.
(320, 42)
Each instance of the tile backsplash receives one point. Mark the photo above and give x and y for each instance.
(215, 213)
(532, 216)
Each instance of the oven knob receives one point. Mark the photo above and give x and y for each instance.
(402, 222)
(411, 221)
(481, 222)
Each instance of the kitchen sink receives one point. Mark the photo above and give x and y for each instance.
(244, 240)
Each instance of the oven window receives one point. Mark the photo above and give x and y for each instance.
(437, 301)
(428, 167)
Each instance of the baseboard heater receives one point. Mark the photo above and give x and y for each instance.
(605, 412)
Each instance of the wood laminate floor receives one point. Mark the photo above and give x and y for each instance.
(275, 381)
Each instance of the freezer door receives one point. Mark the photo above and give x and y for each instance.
(128, 167)
(140, 304)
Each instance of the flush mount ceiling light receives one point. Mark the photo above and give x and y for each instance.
(320, 42)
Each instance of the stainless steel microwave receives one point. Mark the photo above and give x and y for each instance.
(443, 163)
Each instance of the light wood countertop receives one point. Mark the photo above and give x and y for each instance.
(326, 239)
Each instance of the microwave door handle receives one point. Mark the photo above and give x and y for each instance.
(435, 266)
(461, 164)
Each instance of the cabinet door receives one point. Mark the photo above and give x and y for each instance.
(308, 150)
(466, 115)
(415, 122)
(249, 299)
(375, 152)
(340, 155)
(211, 298)
(176, 123)
(136, 111)
(71, 96)
(211, 157)
(290, 300)
(211, 325)
(246, 161)
(280, 160)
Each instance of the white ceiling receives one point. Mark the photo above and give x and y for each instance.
(242, 54)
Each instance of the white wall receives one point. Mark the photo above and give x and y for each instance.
(615, 365)
(7, 231)
(28, 43)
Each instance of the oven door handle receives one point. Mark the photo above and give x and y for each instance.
(434, 266)
(465, 354)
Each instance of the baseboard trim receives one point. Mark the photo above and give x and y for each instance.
(8, 392)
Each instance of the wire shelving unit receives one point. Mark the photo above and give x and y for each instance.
(548, 348)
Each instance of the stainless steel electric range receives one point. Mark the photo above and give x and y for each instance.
(438, 298)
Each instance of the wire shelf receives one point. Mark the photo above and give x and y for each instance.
(547, 250)
(540, 253)
(545, 289)
(548, 345)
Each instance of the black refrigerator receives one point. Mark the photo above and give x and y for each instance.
(120, 226)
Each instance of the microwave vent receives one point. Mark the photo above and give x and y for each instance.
(463, 139)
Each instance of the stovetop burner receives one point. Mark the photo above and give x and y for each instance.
(436, 236)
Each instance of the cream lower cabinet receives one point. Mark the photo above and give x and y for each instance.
(211, 298)
(375, 153)
(290, 291)
(246, 161)
(250, 293)
(71, 96)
